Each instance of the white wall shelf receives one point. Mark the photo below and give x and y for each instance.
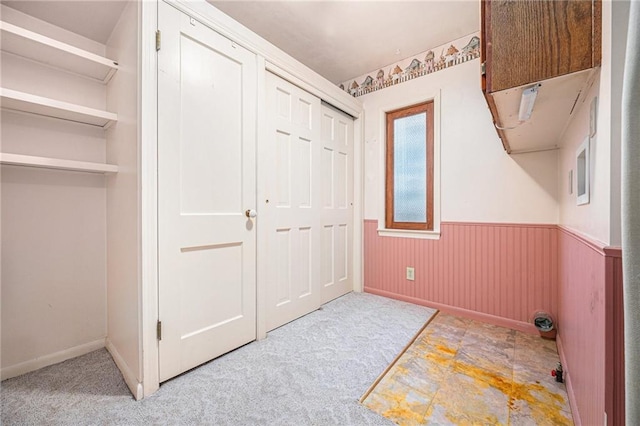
(56, 163)
(37, 47)
(26, 102)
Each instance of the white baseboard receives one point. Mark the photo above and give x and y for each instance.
(54, 358)
(130, 379)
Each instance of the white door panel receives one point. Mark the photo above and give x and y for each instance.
(291, 210)
(206, 181)
(337, 203)
(307, 211)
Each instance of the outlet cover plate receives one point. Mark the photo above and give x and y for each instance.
(411, 273)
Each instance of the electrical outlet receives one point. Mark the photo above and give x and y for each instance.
(411, 273)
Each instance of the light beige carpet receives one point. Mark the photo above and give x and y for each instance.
(309, 372)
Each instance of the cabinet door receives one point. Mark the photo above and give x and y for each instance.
(529, 41)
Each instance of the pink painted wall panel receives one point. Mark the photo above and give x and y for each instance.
(582, 331)
(614, 354)
(591, 331)
(506, 271)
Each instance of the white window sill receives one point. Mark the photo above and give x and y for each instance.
(405, 233)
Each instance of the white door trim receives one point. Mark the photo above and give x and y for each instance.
(358, 200)
(262, 143)
(148, 222)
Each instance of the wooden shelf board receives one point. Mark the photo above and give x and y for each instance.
(56, 163)
(25, 102)
(28, 44)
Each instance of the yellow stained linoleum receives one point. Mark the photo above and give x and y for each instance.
(434, 382)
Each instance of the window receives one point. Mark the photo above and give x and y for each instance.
(409, 168)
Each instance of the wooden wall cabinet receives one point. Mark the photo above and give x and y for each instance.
(525, 42)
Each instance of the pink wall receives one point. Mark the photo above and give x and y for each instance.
(582, 326)
(614, 383)
(591, 328)
(501, 273)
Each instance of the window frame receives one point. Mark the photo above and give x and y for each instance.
(398, 101)
(426, 107)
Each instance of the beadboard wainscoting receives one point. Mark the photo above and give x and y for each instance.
(614, 383)
(499, 273)
(591, 330)
(503, 274)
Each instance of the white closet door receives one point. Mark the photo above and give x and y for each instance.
(206, 178)
(291, 212)
(337, 203)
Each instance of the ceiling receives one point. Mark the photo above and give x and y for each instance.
(339, 39)
(345, 39)
(93, 19)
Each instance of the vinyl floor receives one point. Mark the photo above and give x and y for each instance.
(464, 372)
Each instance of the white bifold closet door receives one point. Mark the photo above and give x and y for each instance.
(337, 203)
(206, 182)
(307, 214)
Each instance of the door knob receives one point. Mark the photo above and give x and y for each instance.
(251, 213)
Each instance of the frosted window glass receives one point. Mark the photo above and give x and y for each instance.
(410, 169)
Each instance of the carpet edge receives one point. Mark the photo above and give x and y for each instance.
(397, 357)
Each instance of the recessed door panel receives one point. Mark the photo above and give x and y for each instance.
(340, 180)
(327, 127)
(327, 255)
(283, 104)
(282, 257)
(327, 177)
(307, 112)
(206, 280)
(305, 278)
(343, 131)
(302, 175)
(341, 252)
(210, 130)
(283, 168)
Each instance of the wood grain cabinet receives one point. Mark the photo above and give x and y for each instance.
(527, 42)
